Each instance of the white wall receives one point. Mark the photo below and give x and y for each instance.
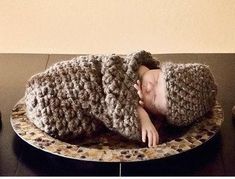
(119, 26)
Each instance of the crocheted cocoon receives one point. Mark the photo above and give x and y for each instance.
(79, 97)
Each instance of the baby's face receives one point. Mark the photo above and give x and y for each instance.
(154, 91)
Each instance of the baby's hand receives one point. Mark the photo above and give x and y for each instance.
(139, 92)
(149, 131)
(147, 128)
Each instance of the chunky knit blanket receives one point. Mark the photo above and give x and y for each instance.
(79, 97)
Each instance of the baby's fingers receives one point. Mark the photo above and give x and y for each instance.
(140, 94)
(154, 139)
(138, 91)
(138, 82)
(136, 87)
(150, 138)
(144, 132)
(141, 103)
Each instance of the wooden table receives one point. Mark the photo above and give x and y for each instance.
(216, 157)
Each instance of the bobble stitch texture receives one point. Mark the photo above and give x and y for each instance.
(77, 98)
(191, 92)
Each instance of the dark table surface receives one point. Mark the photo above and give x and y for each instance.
(214, 158)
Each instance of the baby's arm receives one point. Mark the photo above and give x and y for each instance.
(147, 128)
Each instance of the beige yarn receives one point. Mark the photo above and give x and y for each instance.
(191, 92)
(77, 98)
(80, 97)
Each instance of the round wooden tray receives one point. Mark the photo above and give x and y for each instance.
(111, 147)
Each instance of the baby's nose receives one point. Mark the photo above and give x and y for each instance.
(149, 86)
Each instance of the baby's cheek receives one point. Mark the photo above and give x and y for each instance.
(147, 99)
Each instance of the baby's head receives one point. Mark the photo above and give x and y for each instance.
(181, 92)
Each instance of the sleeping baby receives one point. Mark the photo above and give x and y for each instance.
(182, 92)
(82, 96)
